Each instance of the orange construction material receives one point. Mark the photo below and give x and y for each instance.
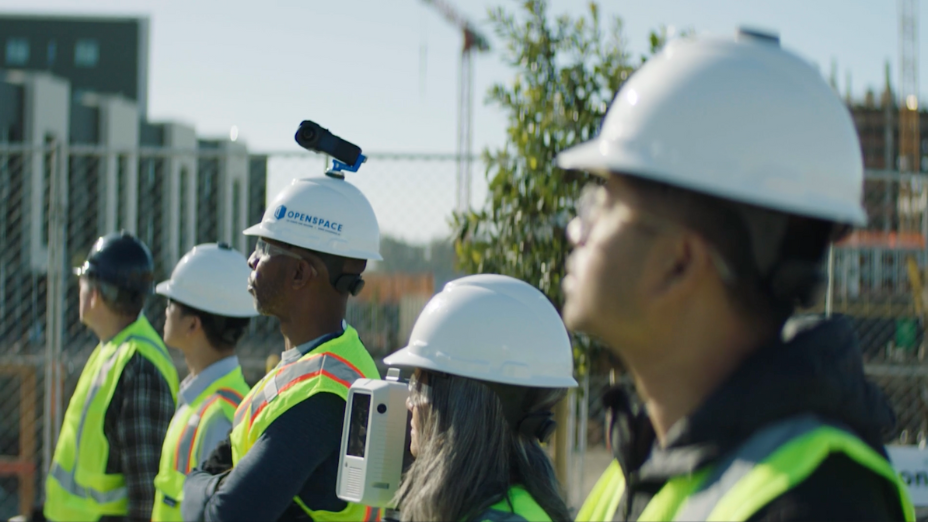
(389, 288)
(23, 465)
(888, 240)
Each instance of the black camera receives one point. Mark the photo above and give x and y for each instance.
(314, 137)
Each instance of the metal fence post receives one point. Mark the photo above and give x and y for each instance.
(54, 296)
(830, 293)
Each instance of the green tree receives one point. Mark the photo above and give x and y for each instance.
(567, 72)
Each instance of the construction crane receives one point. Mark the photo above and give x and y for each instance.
(473, 42)
(908, 86)
(910, 191)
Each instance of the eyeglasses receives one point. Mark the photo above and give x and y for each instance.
(590, 204)
(266, 250)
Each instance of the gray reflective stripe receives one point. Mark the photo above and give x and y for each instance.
(245, 406)
(67, 480)
(68, 483)
(736, 466)
(95, 386)
(189, 435)
(302, 369)
(230, 395)
(241, 410)
(149, 342)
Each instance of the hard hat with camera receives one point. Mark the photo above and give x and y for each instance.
(324, 214)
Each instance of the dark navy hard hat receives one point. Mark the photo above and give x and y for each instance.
(121, 260)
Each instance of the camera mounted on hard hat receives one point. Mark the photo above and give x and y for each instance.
(346, 155)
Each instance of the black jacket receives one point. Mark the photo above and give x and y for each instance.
(818, 369)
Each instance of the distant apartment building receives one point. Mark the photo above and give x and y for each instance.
(73, 93)
(94, 54)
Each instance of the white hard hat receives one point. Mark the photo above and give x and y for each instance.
(322, 214)
(492, 328)
(212, 278)
(742, 120)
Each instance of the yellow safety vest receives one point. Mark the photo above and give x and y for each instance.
(330, 367)
(517, 502)
(182, 449)
(77, 486)
(765, 467)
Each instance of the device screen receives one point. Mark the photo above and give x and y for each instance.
(357, 430)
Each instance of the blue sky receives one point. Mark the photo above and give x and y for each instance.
(355, 66)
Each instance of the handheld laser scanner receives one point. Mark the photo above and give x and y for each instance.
(370, 464)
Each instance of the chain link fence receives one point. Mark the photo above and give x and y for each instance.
(55, 201)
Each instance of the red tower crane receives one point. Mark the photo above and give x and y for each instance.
(473, 42)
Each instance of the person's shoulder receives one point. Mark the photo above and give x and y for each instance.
(839, 489)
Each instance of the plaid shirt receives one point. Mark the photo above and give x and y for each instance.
(135, 424)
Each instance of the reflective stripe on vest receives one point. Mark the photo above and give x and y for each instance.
(78, 487)
(322, 364)
(765, 467)
(605, 496)
(330, 367)
(66, 479)
(183, 454)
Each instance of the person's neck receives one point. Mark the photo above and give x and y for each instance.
(109, 327)
(301, 328)
(202, 356)
(677, 373)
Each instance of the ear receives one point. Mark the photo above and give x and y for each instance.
(193, 324)
(96, 299)
(680, 260)
(304, 273)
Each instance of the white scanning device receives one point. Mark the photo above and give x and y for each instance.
(370, 464)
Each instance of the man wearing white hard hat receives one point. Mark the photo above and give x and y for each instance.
(729, 167)
(208, 311)
(491, 358)
(313, 244)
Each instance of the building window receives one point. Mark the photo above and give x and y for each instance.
(51, 53)
(86, 53)
(17, 51)
(237, 214)
(184, 207)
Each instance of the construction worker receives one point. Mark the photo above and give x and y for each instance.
(313, 244)
(208, 311)
(729, 167)
(481, 400)
(106, 458)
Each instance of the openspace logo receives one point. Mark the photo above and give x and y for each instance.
(280, 212)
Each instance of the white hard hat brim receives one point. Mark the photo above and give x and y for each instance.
(404, 358)
(602, 158)
(171, 291)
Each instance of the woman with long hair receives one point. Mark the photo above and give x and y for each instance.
(491, 357)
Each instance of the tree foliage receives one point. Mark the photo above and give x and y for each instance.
(567, 71)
